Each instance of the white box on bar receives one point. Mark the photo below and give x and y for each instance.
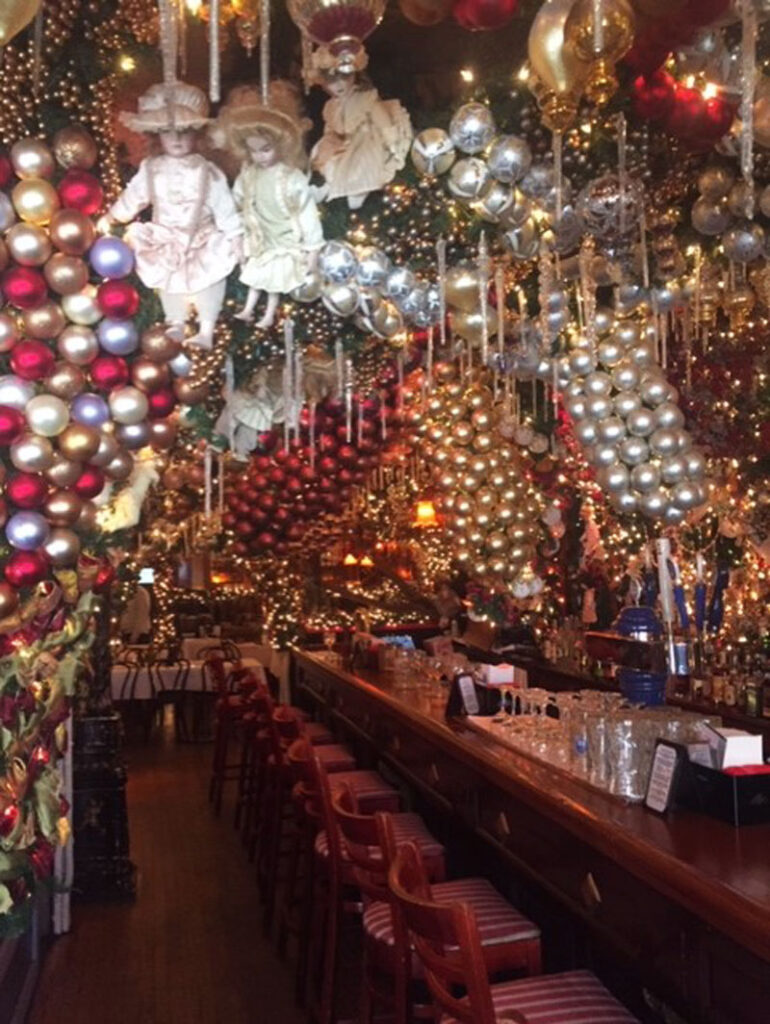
(498, 675)
(740, 748)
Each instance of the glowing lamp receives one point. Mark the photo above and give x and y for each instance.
(425, 514)
(366, 562)
(350, 560)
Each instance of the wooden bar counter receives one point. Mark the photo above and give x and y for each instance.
(677, 907)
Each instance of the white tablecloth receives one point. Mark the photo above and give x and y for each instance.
(193, 645)
(164, 677)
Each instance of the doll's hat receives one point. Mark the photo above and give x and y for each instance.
(245, 112)
(170, 107)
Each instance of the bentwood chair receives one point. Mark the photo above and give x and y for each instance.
(447, 940)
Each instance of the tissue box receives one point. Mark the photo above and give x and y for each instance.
(734, 748)
(498, 675)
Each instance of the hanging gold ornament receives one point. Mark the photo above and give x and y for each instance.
(558, 74)
(599, 33)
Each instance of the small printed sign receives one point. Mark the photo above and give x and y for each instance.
(665, 767)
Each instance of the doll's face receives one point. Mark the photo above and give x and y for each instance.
(262, 150)
(177, 143)
(341, 85)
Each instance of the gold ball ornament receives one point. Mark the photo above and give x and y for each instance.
(74, 147)
(463, 505)
(479, 465)
(190, 394)
(65, 381)
(504, 512)
(62, 508)
(79, 442)
(470, 325)
(45, 323)
(470, 482)
(483, 442)
(81, 307)
(88, 517)
(62, 472)
(436, 432)
(481, 419)
(162, 434)
(35, 200)
(497, 566)
(9, 332)
(28, 244)
(479, 567)
(497, 543)
(482, 519)
(617, 35)
(447, 481)
(72, 232)
(460, 458)
(9, 599)
(444, 372)
(62, 547)
(107, 450)
(462, 433)
(558, 75)
(78, 344)
(31, 454)
(456, 411)
(486, 498)
(66, 275)
(462, 287)
(158, 346)
(148, 375)
(31, 158)
(120, 467)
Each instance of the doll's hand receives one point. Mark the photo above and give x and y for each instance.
(104, 224)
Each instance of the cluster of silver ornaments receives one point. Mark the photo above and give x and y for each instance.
(628, 421)
(362, 283)
(724, 208)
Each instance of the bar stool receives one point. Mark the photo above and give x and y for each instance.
(510, 941)
(234, 711)
(448, 943)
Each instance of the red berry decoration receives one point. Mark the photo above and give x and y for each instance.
(79, 190)
(117, 299)
(12, 424)
(108, 372)
(27, 490)
(9, 819)
(26, 568)
(89, 483)
(24, 287)
(32, 360)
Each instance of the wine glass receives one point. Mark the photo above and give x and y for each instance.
(329, 639)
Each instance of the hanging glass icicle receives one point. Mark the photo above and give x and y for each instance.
(588, 291)
(500, 298)
(558, 174)
(598, 26)
(169, 43)
(299, 384)
(181, 29)
(645, 254)
(482, 263)
(429, 361)
(441, 260)
(228, 394)
(214, 81)
(348, 399)
(312, 434)
(748, 86)
(622, 161)
(37, 51)
(288, 377)
(339, 363)
(264, 50)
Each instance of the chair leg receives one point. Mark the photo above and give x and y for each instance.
(330, 960)
(289, 900)
(274, 844)
(306, 914)
(244, 774)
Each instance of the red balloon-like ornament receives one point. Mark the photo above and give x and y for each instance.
(482, 15)
(79, 190)
(89, 483)
(26, 568)
(32, 360)
(12, 423)
(27, 490)
(117, 299)
(24, 287)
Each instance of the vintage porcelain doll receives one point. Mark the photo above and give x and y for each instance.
(251, 410)
(282, 228)
(193, 239)
(366, 139)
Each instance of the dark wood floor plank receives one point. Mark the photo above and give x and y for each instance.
(190, 949)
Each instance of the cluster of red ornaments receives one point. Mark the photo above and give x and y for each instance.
(284, 491)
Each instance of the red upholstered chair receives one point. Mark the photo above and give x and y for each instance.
(235, 690)
(448, 943)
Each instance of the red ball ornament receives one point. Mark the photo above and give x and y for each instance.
(327, 465)
(117, 299)
(6, 171)
(281, 456)
(686, 116)
(293, 464)
(261, 463)
(26, 568)
(161, 403)
(266, 540)
(294, 485)
(27, 490)
(267, 502)
(9, 819)
(108, 372)
(653, 95)
(24, 287)
(243, 528)
(79, 190)
(481, 15)
(327, 444)
(229, 519)
(717, 118)
(347, 455)
(104, 578)
(308, 475)
(295, 532)
(276, 476)
(32, 360)
(12, 424)
(89, 483)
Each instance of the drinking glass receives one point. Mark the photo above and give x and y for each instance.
(627, 778)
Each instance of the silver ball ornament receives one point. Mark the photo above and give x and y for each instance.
(509, 158)
(669, 415)
(337, 262)
(664, 442)
(598, 406)
(695, 461)
(625, 376)
(633, 451)
(598, 383)
(710, 216)
(472, 128)
(744, 242)
(432, 152)
(645, 477)
(610, 353)
(673, 469)
(654, 503)
(715, 182)
(641, 423)
(373, 267)
(611, 430)
(653, 389)
(625, 403)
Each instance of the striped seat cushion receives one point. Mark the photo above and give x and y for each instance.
(371, 791)
(407, 827)
(497, 920)
(317, 733)
(575, 997)
(336, 758)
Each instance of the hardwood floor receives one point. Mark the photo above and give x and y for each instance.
(190, 949)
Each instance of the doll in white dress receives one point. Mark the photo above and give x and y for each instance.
(194, 237)
(282, 228)
(366, 139)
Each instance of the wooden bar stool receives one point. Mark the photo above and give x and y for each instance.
(448, 942)
(234, 710)
(392, 974)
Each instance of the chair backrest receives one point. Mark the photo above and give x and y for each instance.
(362, 837)
(447, 942)
(320, 807)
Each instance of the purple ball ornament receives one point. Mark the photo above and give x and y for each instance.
(27, 531)
(118, 337)
(111, 257)
(133, 435)
(89, 409)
